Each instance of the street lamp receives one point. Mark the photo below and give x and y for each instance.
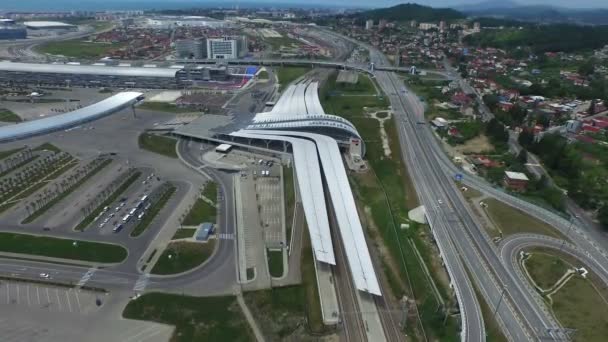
(502, 294)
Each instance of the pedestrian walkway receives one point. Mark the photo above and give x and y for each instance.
(86, 276)
(142, 282)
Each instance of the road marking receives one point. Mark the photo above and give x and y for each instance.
(67, 295)
(17, 287)
(48, 298)
(226, 236)
(38, 294)
(142, 282)
(77, 300)
(85, 277)
(58, 300)
(8, 293)
(29, 303)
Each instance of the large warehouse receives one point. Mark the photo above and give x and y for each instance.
(107, 76)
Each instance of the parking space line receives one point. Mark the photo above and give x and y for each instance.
(58, 300)
(8, 293)
(29, 302)
(38, 294)
(67, 295)
(78, 300)
(17, 287)
(48, 297)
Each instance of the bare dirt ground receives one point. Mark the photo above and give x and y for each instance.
(476, 145)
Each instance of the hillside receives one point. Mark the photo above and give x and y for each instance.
(406, 12)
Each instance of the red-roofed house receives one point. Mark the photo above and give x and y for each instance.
(591, 129)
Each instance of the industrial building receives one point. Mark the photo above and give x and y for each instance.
(109, 76)
(48, 25)
(9, 30)
(168, 22)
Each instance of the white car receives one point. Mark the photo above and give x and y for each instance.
(44, 275)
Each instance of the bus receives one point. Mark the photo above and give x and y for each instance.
(132, 211)
(126, 218)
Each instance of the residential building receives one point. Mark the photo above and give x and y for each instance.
(516, 180)
(222, 48)
(369, 24)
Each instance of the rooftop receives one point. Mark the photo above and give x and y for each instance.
(516, 176)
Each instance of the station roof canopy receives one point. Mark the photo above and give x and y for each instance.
(87, 70)
(68, 120)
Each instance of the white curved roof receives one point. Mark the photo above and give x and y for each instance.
(67, 120)
(312, 194)
(343, 202)
(301, 99)
(87, 70)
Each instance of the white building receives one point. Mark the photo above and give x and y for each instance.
(226, 48)
(369, 24)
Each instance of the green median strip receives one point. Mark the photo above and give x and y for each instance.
(61, 248)
(23, 163)
(182, 256)
(158, 144)
(7, 153)
(66, 193)
(275, 263)
(122, 188)
(153, 211)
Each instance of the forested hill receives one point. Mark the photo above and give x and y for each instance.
(406, 12)
(544, 38)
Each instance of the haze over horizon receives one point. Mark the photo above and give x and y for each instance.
(57, 5)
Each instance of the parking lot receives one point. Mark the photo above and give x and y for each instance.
(270, 199)
(49, 298)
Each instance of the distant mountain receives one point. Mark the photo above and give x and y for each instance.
(535, 13)
(406, 12)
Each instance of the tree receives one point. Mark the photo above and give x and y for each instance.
(602, 216)
(522, 157)
(526, 138)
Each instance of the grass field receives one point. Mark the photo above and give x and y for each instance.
(545, 269)
(8, 153)
(364, 86)
(122, 188)
(580, 306)
(78, 49)
(311, 291)
(263, 75)
(183, 256)
(151, 213)
(512, 221)
(279, 311)
(212, 319)
(275, 263)
(61, 248)
(183, 233)
(158, 144)
(201, 212)
(290, 200)
(8, 116)
(163, 107)
(287, 75)
(278, 42)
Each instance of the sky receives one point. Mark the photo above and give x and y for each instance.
(41, 5)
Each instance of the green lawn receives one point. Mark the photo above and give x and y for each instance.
(8, 153)
(184, 233)
(209, 319)
(164, 107)
(311, 291)
(290, 200)
(275, 263)
(263, 75)
(158, 144)
(122, 188)
(182, 256)
(8, 116)
(210, 191)
(578, 305)
(201, 212)
(78, 49)
(61, 248)
(287, 75)
(151, 213)
(364, 86)
(512, 221)
(279, 311)
(47, 147)
(545, 269)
